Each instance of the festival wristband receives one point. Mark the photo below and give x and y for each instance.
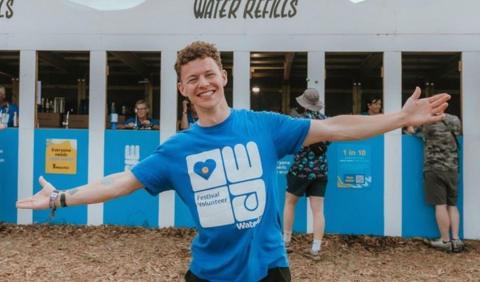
(51, 203)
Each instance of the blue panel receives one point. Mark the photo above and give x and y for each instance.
(356, 210)
(8, 174)
(71, 215)
(418, 217)
(138, 209)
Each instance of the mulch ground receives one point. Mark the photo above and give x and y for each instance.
(108, 253)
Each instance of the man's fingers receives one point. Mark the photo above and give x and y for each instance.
(416, 94)
(440, 109)
(437, 118)
(43, 182)
(25, 204)
(439, 98)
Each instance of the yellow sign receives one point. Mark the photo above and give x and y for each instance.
(61, 156)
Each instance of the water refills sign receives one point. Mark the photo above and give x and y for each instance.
(246, 9)
(6, 9)
(61, 156)
(354, 166)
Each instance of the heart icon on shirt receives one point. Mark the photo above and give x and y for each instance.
(205, 169)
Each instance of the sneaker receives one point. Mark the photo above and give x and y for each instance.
(315, 256)
(458, 246)
(441, 245)
(288, 247)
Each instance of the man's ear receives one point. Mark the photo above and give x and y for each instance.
(225, 77)
(181, 88)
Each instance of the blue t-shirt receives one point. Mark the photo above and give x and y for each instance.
(226, 175)
(140, 125)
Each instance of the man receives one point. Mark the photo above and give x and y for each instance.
(308, 176)
(8, 111)
(223, 168)
(141, 119)
(441, 178)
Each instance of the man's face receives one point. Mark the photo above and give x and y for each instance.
(142, 111)
(202, 81)
(376, 106)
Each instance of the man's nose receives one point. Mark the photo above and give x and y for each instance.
(202, 81)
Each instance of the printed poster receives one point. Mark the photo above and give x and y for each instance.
(354, 166)
(61, 156)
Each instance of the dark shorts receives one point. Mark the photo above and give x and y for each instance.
(280, 274)
(302, 186)
(441, 187)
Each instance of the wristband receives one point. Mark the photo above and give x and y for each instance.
(63, 202)
(51, 203)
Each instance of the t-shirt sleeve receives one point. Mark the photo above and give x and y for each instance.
(288, 134)
(456, 125)
(153, 173)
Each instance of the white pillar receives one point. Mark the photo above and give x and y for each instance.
(392, 96)
(241, 80)
(27, 103)
(96, 127)
(471, 144)
(168, 127)
(316, 79)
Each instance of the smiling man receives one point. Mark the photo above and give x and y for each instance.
(223, 168)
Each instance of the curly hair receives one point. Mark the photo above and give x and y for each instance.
(197, 50)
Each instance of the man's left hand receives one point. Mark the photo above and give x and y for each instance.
(426, 110)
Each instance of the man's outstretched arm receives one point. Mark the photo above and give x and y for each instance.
(110, 187)
(415, 112)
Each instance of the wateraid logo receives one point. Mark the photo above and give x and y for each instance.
(132, 156)
(228, 186)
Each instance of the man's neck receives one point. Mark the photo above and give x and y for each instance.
(207, 118)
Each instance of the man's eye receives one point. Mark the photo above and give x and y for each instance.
(192, 80)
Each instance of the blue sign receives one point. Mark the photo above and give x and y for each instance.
(8, 174)
(354, 166)
(71, 215)
(356, 211)
(123, 150)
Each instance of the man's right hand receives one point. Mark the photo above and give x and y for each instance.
(40, 200)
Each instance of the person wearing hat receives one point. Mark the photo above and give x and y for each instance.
(308, 176)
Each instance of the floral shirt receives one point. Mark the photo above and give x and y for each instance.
(311, 161)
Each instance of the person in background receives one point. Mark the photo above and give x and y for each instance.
(440, 172)
(308, 176)
(141, 119)
(189, 115)
(374, 106)
(8, 111)
(224, 170)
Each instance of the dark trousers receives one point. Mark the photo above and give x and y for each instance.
(277, 274)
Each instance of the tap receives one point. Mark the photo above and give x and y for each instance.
(67, 117)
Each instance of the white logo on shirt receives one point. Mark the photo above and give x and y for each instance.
(239, 200)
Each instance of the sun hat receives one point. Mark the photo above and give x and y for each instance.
(310, 100)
